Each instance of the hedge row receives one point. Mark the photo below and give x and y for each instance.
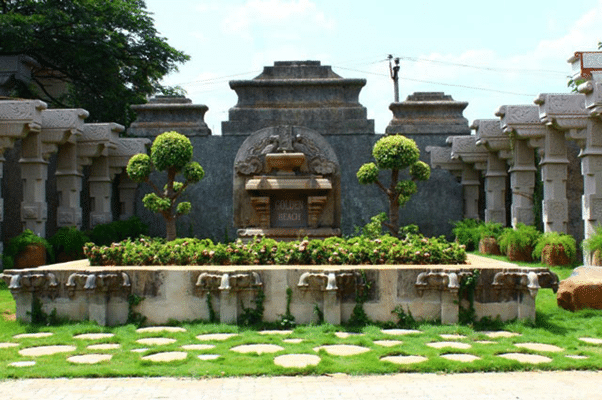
(145, 251)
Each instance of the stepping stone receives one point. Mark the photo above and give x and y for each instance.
(282, 332)
(539, 347)
(399, 332)
(197, 347)
(208, 357)
(499, 334)
(103, 346)
(404, 359)
(387, 343)
(485, 342)
(158, 329)
(452, 336)
(257, 348)
(22, 364)
(93, 336)
(46, 350)
(341, 334)
(293, 340)
(8, 345)
(577, 356)
(156, 341)
(448, 344)
(216, 336)
(342, 349)
(140, 350)
(89, 358)
(460, 357)
(526, 358)
(591, 340)
(166, 356)
(33, 335)
(296, 360)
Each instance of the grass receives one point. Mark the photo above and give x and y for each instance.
(553, 326)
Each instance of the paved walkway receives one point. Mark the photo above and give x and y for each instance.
(471, 386)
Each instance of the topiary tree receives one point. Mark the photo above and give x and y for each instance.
(395, 153)
(172, 152)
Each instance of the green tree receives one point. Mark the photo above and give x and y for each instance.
(395, 153)
(173, 153)
(107, 53)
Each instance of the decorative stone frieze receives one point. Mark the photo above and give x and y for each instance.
(302, 93)
(169, 113)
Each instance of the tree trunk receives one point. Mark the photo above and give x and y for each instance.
(170, 228)
(394, 205)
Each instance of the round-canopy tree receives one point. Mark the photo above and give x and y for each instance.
(171, 152)
(395, 153)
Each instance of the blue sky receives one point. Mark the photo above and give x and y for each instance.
(487, 53)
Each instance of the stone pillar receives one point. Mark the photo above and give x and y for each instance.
(118, 160)
(34, 170)
(560, 113)
(474, 158)
(104, 137)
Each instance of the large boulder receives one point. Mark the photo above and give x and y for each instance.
(581, 290)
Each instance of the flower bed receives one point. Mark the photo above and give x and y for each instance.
(414, 249)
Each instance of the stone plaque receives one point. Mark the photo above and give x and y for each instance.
(288, 211)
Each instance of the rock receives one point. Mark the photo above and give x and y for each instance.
(581, 290)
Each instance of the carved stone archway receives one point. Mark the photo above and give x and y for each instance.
(286, 185)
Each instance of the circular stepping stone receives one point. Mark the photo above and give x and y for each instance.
(539, 347)
(140, 350)
(460, 357)
(197, 347)
(166, 356)
(293, 340)
(8, 345)
(452, 336)
(33, 335)
(156, 341)
(89, 359)
(103, 346)
(216, 336)
(342, 349)
(158, 329)
(577, 356)
(448, 344)
(208, 357)
(404, 359)
(296, 360)
(341, 334)
(591, 340)
(46, 350)
(93, 336)
(526, 358)
(387, 343)
(257, 348)
(499, 334)
(399, 332)
(485, 342)
(282, 332)
(22, 364)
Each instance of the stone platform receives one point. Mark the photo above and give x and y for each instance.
(79, 291)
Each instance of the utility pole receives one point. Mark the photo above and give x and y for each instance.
(393, 72)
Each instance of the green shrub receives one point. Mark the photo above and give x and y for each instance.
(106, 234)
(554, 238)
(17, 244)
(466, 232)
(489, 230)
(68, 242)
(520, 237)
(594, 242)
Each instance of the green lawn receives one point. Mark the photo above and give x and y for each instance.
(553, 326)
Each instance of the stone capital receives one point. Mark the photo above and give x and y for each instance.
(562, 111)
(18, 118)
(489, 134)
(465, 149)
(441, 157)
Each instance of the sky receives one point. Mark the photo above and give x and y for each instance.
(486, 53)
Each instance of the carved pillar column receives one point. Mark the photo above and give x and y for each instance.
(118, 160)
(34, 170)
(561, 114)
(107, 135)
(474, 158)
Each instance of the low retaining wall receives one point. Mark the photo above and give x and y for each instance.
(429, 292)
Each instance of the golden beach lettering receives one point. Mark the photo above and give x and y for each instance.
(289, 205)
